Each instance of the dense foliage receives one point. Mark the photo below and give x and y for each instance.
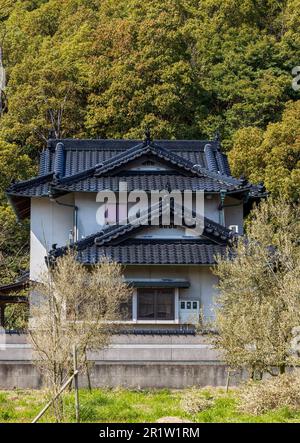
(258, 311)
(109, 68)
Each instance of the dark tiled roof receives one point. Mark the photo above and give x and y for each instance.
(92, 176)
(147, 182)
(152, 254)
(143, 149)
(94, 165)
(41, 186)
(84, 154)
(34, 187)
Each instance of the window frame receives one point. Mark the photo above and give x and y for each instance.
(156, 293)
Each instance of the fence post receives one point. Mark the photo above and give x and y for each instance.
(77, 406)
(228, 379)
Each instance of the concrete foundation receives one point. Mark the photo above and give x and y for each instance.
(130, 361)
(20, 375)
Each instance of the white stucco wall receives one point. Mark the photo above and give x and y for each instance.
(234, 214)
(87, 208)
(211, 204)
(50, 223)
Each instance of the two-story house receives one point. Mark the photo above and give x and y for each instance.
(168, 263)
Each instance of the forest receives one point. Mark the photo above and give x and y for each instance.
(185, 68)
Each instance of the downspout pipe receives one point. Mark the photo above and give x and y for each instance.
(75, 216)
(221, 207)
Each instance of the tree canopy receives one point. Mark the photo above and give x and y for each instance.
(187, 67)
(109, 68)
(258, 308)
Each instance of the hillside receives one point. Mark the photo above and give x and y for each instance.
(187, 68)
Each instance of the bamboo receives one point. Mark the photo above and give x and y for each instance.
(54, 398)
(77, 407)
(228, 379)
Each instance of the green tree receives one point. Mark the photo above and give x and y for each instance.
(259, 283)
(76, 306)
(273, 155)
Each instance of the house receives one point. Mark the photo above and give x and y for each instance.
(168, 263)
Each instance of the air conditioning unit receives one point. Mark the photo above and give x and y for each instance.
(234, 228)
(189, 311)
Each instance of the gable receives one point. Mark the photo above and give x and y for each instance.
(165, 232)
(144, 153)
(148, 164)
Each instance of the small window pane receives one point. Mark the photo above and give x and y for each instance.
(146, 309)
(165, 305)
(126, 310)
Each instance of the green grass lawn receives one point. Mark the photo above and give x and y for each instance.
(132, 406)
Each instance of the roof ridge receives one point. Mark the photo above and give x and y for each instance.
(143, 148)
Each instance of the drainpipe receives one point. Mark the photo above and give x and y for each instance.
(221, 207)
(2, 315)
(75, 216)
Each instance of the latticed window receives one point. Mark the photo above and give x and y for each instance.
(155, 304)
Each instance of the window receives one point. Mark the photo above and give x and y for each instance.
(148, 163)
(126, 310)
(155, 304)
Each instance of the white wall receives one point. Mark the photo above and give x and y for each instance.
(50, 223)
(87, 208)
(234, 214)
(211, 204)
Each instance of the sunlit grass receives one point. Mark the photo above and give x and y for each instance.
(132, 406)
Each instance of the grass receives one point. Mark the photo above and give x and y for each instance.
(133, 406)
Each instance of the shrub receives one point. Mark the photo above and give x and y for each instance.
(266, 395)
(195, 400)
